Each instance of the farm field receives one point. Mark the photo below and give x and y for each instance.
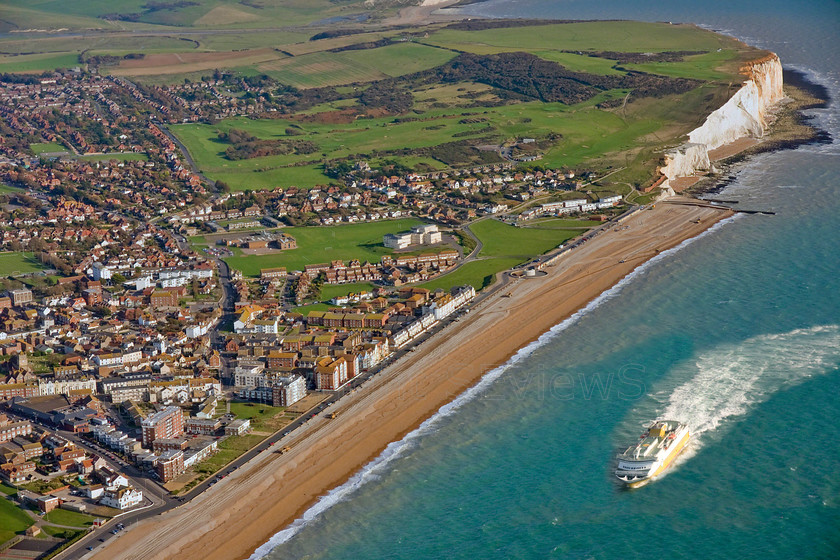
(623, 36)
(38, 62)
(18, 263)
(318, 69)
(194, 14)
(323, 244)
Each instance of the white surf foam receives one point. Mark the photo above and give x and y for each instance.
(731, 380)
(372, 470)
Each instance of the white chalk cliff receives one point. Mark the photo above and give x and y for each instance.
(745, 114)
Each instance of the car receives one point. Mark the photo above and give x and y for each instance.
(90, 548)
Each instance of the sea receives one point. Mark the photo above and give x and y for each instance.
(736, 332)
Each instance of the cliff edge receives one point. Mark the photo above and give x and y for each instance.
(743, 115)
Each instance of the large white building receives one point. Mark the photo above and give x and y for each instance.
(289, 390)
(427, 234)
(121, 498)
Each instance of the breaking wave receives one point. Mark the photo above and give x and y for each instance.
(377, 466)
(731, 380)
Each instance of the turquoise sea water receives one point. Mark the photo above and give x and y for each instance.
(737, 332)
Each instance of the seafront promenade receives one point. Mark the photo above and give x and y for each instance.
(244, 510)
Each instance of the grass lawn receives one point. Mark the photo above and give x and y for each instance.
(505, 246)
(7, 490)
(229, 449)
(503, 240)
(60, 532)
(328, 291)
(47, 148)
(257, 413)
(478, 273)
(18, 263)
(304, 309)
(324, 244)
(8, 189)
(71, 518)
(13, 520)
(560, 223)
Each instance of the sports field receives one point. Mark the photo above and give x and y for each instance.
(18, 263)
(324, 244)
(47, 148)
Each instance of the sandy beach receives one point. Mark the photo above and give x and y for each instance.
(245, 509)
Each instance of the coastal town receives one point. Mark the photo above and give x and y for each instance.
(221, 295)
(134, 366)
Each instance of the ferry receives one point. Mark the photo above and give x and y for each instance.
(653, 453)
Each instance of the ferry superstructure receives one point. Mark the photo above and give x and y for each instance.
(653, 453)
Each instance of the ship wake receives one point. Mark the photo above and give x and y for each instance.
(730, 381)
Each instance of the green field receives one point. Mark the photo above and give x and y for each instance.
(324, 244)
(477, 273)
(47, 148)
(328, 68)
(560, 223)
(620, 36)
(229, 449)
(330, 291)
(38, 62)
(61, 532)
(257, 413)
(587, 133)
(71, 518)
(333, 141)
(54, 14)
(502, 240)
(13, 520)
(18, 263)
(505, 246)
(8, 189)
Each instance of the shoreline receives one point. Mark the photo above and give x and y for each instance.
(272, 491)
(256, 503)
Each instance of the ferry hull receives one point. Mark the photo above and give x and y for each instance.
(638, 465)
